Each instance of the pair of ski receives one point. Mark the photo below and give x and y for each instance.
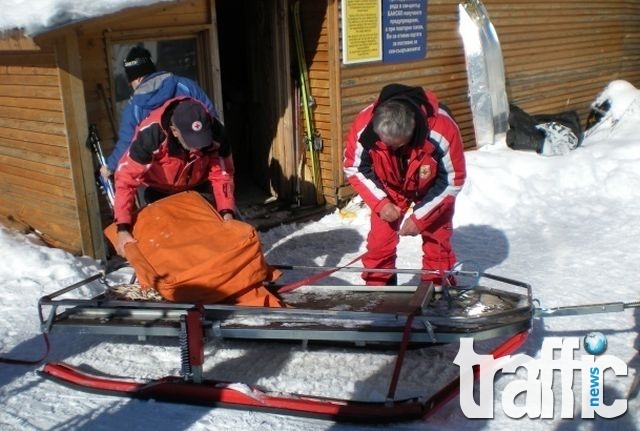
(104, 185)
(313, 141)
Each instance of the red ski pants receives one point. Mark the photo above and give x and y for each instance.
(382, 243)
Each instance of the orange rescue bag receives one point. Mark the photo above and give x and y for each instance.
(188, 253)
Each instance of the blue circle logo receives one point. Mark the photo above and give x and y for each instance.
(595, 343)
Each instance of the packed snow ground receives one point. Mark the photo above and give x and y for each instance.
(567, 225)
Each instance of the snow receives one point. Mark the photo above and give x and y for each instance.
(37, 15)
(567, 225)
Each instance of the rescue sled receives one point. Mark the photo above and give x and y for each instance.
(394, 317)
(213, 283)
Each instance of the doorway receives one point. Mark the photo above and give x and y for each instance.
(255, 81)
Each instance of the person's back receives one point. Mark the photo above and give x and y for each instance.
(151, 89)
(158, 87)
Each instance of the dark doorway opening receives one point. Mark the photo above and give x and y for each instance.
(255, 100)
(244, 59)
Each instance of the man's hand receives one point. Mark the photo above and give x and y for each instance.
(390, 212)
(124, 237)
(105, 172)
(409, 228)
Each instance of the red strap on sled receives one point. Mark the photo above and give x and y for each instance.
(315, 277)
(406, 335)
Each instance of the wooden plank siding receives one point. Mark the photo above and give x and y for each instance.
(80, 157)
(36, 186)
(558, 55)
(16, 40)
(313, 16)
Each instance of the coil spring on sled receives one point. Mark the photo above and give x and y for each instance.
(185, 362)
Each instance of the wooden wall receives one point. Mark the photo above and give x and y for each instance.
(315, 27)
(558, 55)
(36, 190)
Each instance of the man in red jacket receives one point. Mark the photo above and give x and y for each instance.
(405, 150)
(180, 146)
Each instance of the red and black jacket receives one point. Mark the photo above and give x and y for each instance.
(428, 172)
(156, 159)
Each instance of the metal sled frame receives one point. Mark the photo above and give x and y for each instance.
(306, 321)
(408, 316)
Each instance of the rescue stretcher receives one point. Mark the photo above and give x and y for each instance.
(393, 317)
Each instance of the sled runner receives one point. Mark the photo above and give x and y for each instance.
(216, 393)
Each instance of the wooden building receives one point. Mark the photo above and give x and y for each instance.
(558, 55)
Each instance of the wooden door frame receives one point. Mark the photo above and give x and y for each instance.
(283, 144)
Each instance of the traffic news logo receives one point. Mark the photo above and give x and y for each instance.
(537, 388)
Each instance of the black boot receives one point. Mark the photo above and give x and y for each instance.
(393, 281)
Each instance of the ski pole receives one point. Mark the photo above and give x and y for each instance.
(105, 184)
(94, 143)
